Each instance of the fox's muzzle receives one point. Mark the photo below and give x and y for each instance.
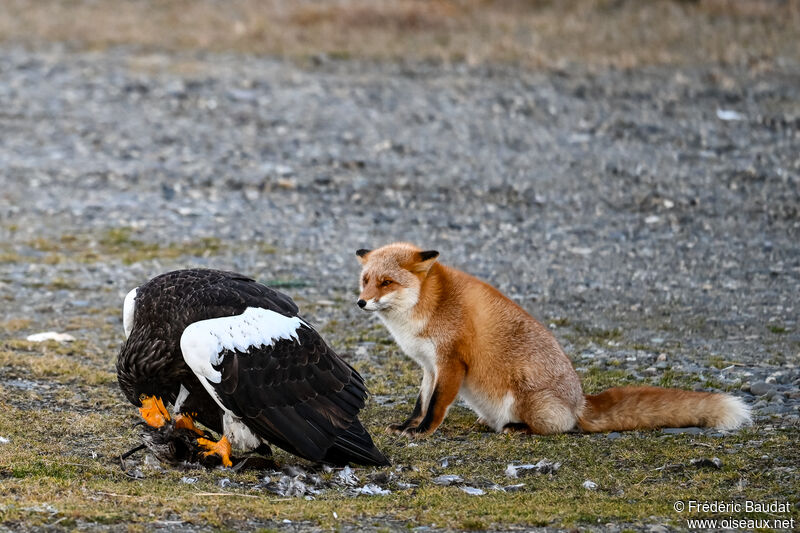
(361, 303)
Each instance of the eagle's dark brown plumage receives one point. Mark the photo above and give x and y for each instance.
(250, 377)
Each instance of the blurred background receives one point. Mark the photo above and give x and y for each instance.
(532, 33)
(627, 171)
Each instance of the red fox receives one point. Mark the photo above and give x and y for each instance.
(472, 341)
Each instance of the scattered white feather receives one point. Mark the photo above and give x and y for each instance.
(448, 479)
(4, 440)
(50, 336)
(346, 476)
(472, 491)
(589, 485)
(370, 489)
(542, 467)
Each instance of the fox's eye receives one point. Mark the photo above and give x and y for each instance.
(386, 283)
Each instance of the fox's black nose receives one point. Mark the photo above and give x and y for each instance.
(362, 303)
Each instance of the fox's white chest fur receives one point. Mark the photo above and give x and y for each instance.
(495, 412)
(406, 333)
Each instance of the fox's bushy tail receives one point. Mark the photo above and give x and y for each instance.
(626, 408)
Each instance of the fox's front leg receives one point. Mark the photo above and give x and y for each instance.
(420, 407)
(449, 377)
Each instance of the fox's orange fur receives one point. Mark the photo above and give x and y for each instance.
(474, 342)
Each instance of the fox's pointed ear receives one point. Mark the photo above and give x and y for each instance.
(362, 255)
(425, 260)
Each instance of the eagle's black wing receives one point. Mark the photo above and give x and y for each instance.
(278, 376)
(156, 314)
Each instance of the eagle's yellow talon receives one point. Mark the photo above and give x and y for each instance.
(186, 422)
(221, 448)
(154, 412)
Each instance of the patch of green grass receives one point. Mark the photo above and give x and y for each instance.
(777, 329)
(60, 283)
(597, 379)
(65, 363)
(559, 322)
(642, 347)
(598, 335)
(16, 324)
(671, 379)
(64, 442)
(716, 361)
(119, 244)
(10, 257)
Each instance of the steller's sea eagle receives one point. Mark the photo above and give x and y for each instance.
(233, 355)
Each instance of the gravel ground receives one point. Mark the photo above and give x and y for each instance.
(662, 206)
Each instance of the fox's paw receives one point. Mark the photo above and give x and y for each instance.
(396, 429)
(517, 428)
(416, 433)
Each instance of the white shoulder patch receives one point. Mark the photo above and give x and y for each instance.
(202, 343)
(127, 312)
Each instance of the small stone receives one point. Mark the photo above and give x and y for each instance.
(770, 393)
(760, 388)
(614, 435)
(589, 485)
(661, 357)
(729, 115)
(678, 431)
